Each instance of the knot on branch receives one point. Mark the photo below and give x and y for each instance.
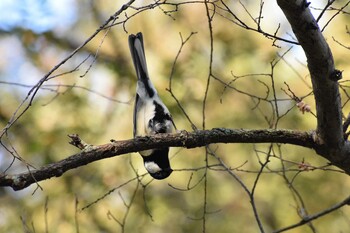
(336, 75)
(79, 143)
(305, 4)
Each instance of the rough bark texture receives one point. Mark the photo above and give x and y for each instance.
(183, 139)
(324, 81)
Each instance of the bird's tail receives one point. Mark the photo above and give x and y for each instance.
(145, 86)
(138, 55)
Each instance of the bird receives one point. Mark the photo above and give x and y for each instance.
(151, 116)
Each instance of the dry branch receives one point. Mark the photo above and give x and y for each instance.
(194, 139)
(324, 78)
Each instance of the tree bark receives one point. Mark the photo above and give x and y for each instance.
(197, 138)
(324, 78)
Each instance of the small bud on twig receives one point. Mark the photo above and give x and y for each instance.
(303, 107)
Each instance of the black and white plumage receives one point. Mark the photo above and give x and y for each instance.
(151, 116)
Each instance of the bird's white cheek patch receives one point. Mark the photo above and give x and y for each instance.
(152, 167)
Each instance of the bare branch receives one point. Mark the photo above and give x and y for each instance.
(310, 218)
(341, 44)
(183, 139)
(183, 42)
(242, 24)
(338, 11)
(321, 67)
(329, 3)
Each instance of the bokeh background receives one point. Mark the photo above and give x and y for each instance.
(92, 95)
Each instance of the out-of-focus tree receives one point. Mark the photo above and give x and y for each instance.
(277, 69)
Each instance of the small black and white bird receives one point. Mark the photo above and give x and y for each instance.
(151, 116)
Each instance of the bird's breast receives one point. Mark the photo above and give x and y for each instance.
(143, 116)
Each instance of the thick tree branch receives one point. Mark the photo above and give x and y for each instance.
(183, 139)
(324, 78)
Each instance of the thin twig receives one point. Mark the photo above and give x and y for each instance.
(310, 218)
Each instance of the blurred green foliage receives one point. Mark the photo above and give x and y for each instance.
(97, 103)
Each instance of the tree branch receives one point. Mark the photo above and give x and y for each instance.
(310, 218)
(324, 79)
(194, 139)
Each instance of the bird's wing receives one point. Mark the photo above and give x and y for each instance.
(136, 106)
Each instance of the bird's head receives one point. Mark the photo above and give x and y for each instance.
(156, 171)
(157, 163)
